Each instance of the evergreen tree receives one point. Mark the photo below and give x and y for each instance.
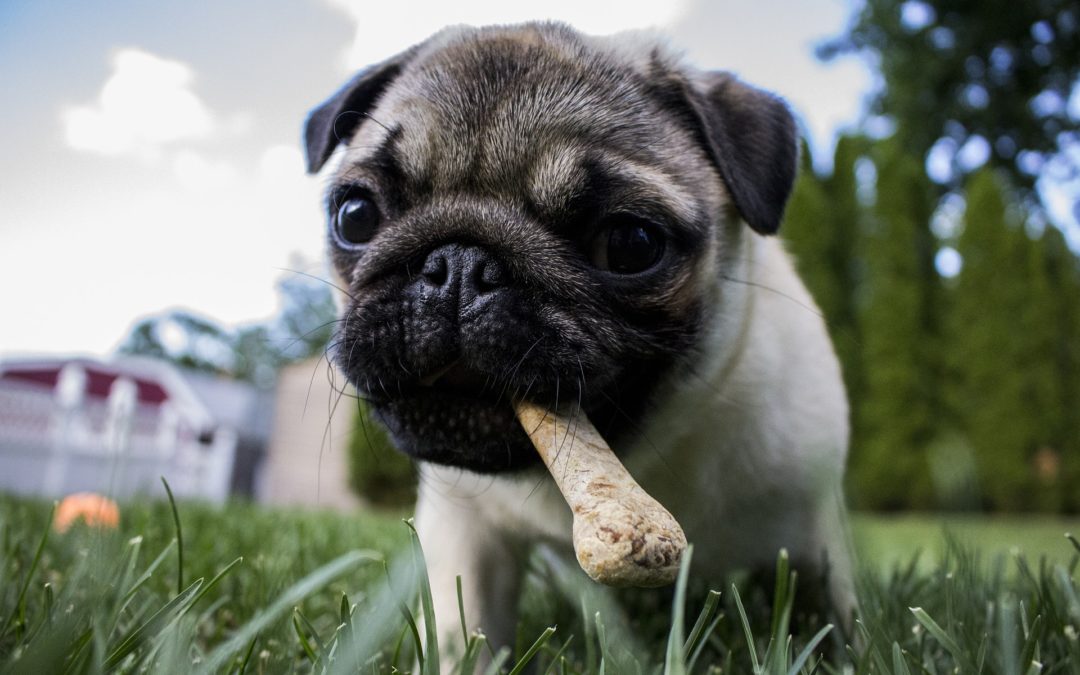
(1038, 368)
(889, 465)
(847, 216)
(807, 230)
(1004, 338)
(821, 230)
(1063, 273)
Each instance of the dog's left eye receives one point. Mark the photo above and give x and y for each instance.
(627, 245)
(356, 220)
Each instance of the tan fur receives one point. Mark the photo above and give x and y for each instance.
(746, 437)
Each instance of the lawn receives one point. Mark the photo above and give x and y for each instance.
(261, 590)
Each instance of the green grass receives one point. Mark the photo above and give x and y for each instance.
(885, 541)
(325, 592)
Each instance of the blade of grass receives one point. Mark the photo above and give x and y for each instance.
(601, 638)
(746, 629)
(304, 644)
(135, 548)
(179, 536)
(345, 610)
(900, 666)
(247, 656)
(1068, 591)
(946, 640)
(472, 654)
(217, 658)
(461, 610)
(1007, 636)
(700, 647)
(495, 667)
(675, 658)
(590, 648)
(427, 606)
(310, 629)
(711, 601)
(149, 571)
(153, 625)
(1073, 540)
(217, 578)
(20, 603)
(804, 655)
(374, 628)
(76, 650)
(531, 652)
(1032, 643)
(558, 655)
(407, 615)
(780, 596)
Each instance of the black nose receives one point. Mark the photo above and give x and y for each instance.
(464, 273)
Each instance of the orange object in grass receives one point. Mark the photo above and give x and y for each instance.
(93, 509)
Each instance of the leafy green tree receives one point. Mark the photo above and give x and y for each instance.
(1000, 70)
(897, 410)
(301, 329)
(188, 340)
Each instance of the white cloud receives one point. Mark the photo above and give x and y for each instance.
(282, 164)
(209, 233)
(385, 28)
(199, 174)
(146, 103)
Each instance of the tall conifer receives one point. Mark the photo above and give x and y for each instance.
(897, 412)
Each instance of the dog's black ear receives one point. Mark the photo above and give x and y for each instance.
(750, 136)
(337, 118)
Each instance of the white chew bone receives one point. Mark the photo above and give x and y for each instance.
(622, 536)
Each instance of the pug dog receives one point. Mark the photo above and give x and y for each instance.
(526, 212)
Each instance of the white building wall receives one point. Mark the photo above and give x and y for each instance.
(306, 462)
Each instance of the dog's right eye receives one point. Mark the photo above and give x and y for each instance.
(356, 221)
(627, 245)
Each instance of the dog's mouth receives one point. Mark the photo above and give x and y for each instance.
(457, 378)
(458, 415)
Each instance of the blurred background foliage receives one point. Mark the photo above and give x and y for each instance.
(302, 328)
(952, 297)
(950, 292)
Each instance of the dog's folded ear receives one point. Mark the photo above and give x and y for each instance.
(337, 118)
(750, 136)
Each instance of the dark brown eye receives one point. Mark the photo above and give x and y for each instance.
(628, 245)
(356, 221)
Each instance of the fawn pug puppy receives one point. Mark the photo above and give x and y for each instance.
(525, 212)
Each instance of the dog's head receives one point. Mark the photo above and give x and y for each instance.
(529, 212)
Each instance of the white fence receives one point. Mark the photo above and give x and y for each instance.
(53, 444)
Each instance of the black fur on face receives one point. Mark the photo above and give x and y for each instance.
(500, 159)
(441, 363)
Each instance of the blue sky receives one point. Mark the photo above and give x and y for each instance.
(151, 150)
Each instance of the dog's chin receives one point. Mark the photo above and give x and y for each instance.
(472, 428)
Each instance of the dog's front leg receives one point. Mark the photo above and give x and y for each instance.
(458, 541)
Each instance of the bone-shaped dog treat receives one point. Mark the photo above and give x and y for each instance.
(622, 536)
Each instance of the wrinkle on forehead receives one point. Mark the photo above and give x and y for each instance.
(527, 114)
(559, 175)
(485, 107)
